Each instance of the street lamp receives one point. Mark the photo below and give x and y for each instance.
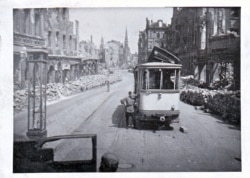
(37, 85)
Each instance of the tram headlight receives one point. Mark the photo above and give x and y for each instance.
(173, 108)
(162, 119)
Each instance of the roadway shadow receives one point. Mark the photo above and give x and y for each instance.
(118, 120)
(228, 123)
(118, 117)
(153, 126)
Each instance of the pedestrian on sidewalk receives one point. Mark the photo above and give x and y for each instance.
(129, 103)
(108, 85)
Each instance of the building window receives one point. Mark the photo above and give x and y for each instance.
(37, 25)
(149, 34)
(64, 13)
(64, 41)
(49, 38)
(221, 21)
(57, 39)
(75, 44)
(16, 21)
(70, 42)
(58, 13)
(158, 35)
(150, 46)
(26, 22)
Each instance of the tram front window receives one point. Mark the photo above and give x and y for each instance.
(160, 79)
(168, 79)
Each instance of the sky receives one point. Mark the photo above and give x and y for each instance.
(111, 23)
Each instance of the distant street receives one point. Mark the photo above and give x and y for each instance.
(209, 144)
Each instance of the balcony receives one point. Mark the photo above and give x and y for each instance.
(27, 40)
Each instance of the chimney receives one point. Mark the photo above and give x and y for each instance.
(147, 22)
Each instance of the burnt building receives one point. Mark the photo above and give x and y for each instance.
(29, 42)
(90, 57)
(113, 52)
(184, 37)
(223, 46)
(153, 35)
(50, 35)
(62, 40)
(207, 40)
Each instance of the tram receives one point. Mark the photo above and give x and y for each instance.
(157, 88)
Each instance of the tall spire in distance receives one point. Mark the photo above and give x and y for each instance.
(126, 38)
(126, 50)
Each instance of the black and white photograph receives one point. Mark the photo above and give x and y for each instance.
(119, 89)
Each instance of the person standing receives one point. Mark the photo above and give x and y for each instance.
(129, 103)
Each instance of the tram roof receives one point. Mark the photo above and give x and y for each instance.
(162, 55)
(159, 65)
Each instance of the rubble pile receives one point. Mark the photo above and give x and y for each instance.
(189, 80)
(20, 99)
(57, 90)
(192, 97)
(225, 83)
(224, 103)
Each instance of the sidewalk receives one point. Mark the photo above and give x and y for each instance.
(65, 121)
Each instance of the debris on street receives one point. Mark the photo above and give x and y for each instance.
(183, 129)
(59, 90)
(225, 103)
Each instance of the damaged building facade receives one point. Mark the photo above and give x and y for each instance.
(114, 54)
(62, 40)
(90, 57)
(153, 35)
(207, 40)
(29, 43)
(46, 34)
